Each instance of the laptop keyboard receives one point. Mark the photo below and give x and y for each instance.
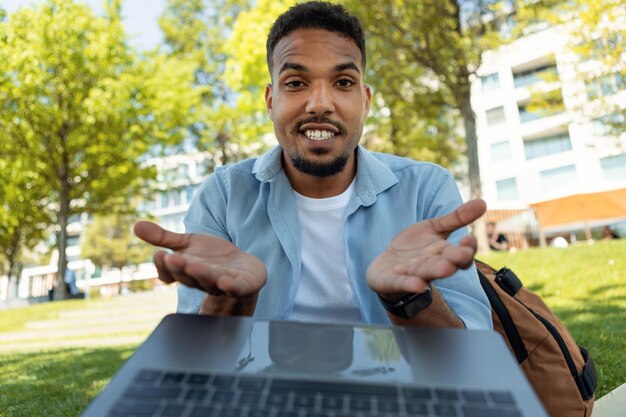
(172, 394)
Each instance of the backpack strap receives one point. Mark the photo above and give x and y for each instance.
(513, 336)
(587, 379)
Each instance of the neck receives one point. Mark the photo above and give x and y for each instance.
(320, 187)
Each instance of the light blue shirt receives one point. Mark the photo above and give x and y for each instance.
(252, 204)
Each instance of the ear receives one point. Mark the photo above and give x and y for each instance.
(368, 98)
(268, 99)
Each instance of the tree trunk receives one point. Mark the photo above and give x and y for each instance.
(222, 140)
(60, 292)
(469, 123)
(14, 270)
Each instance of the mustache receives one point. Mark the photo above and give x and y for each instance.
(319, 120)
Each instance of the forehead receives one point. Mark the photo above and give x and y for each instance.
(316, 45)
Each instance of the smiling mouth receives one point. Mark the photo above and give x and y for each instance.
(318, 134)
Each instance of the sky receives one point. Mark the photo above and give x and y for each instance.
(140, 17)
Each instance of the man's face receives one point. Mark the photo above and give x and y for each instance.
(317, 102)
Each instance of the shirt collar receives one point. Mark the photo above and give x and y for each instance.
(372, 176)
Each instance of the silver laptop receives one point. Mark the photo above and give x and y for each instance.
(199, 366)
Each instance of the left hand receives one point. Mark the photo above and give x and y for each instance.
(421, 253)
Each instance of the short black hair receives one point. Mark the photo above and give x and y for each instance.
(315, 15)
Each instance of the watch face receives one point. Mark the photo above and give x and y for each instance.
(417, 304)
(410, 306)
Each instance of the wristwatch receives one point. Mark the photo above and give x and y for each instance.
(410, 305)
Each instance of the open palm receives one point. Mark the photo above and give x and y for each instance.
(203, 261)
(421, 253)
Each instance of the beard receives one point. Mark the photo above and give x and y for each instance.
(319, 169)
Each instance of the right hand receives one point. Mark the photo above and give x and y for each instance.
(206, 262)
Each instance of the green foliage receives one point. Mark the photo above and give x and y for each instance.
(197, 32)
(599, 40)
(23, 219)
(596, 30)
(110, 243)
(246, 70)
(79, 108)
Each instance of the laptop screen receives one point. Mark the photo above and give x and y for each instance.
(343, 352)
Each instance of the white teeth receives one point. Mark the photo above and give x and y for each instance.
(319, 134)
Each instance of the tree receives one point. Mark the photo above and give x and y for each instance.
(596, 30)
(439, 45)
(598, 33)
(82, 108)
(197, 31)
(23, 219)
(110, 243)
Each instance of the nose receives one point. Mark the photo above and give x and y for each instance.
(320, 100)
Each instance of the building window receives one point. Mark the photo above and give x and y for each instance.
(165, 200)
(545, 104)
(190, 192)
(614, 167)
(495, 116)
(553, 179)
(535, 148)
(500, 151)
(490, 82)
(183, 171)
(527, 116)
(176, 197)
(534, 75)
(507, 189)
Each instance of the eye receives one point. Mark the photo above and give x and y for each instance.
(345, 82)
(295, 84)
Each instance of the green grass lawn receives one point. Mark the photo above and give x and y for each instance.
(56, 357)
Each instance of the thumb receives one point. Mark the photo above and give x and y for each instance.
(464, 215)
(158, 236)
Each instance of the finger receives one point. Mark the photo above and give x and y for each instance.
(469, 242)
(158, 236)
(428, 268)
(460, 256)
(464, 215)
(227, 280)
(159, 263)
(397, 283)
(175, 265)
(233, 285)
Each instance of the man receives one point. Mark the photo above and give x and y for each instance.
(318, 228)
(497, 240)
(607, 233)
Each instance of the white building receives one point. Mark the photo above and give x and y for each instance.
(178, 177)
(528, 158)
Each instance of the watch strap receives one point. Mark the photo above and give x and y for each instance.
(409, 306)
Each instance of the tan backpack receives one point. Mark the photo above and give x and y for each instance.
(561, 372)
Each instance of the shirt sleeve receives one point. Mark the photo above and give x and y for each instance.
(206, 214)
(461, 291)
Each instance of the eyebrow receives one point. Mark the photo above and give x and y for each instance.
(299, 67)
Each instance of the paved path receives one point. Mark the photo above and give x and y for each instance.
(612, 404)
(103, 322)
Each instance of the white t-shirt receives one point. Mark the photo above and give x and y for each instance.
(324, 293)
